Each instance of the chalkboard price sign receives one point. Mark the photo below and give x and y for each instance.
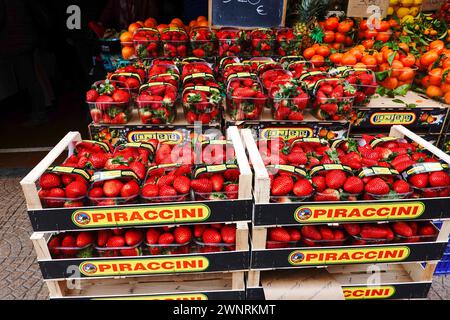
(247, 13)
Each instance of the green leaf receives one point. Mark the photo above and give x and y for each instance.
(402, 90)
(381, 75)
(398, 101)
(411, 105)
(391, 57)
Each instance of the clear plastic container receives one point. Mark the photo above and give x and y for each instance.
(288, 199)
(72, 252)
(213, 247)
(271, 244)
(168, 249)
(196, 68)
(222, 63)
(261, 42)
(365, 83)
(162, 68)
(173, 79)
(270, 76)
(418, 237)
(343, 196)
(242, 107)
(390, 196)
(196, 109)
(63, 202)
(288, 42)
(155, 104)
(200, 79)
(230, 41)
(358, 240)
(256, 62)
(174, 42)
(101, 177)
(203, 42)
(110, 112)
(125, 251)
(235, 69)
(324, 243)
(288, 100)
(146, 43)
(431, 192)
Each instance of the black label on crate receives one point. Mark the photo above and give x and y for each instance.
(145, 265)
(141, 215)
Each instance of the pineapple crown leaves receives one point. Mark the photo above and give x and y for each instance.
(317, 35)
(309, 9)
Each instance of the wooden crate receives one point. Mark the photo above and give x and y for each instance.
(264, 216)
(45, 220)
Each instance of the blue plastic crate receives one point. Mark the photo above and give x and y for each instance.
(443, 267)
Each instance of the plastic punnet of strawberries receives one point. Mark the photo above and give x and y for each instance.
(289, 43)
(174, 42)
(230, 41)
(289, 183)
(332, 99)
(245, 99)
(384, 183)
(200, 79)
(202, 103)
(215, 237)
(214, 152)
(119, 242)
(203, 42)
(132, 156)
(364, 82)
(132, 75)
(113, 187)
(72, 245)
(256, 62)
(167, 183)
(289, 98)
(181, 153)
(169, 240)
(63, 187)
(262, 42)
(146, 43)
(90, 155)
(156, 103)
(109, 102)
(196, 67)
(270, 76)
(216, 182)
(221, 64)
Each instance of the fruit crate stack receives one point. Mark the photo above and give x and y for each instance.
(152, 248)
(350, 236)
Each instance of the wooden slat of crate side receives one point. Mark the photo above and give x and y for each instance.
(245, 178)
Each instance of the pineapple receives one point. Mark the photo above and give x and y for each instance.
(307, 12)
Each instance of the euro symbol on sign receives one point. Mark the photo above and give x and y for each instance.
(260, 10)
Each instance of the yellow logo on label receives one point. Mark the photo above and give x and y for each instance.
(358, 212)
(107, 217)
(171, 137)
(391, 118)
(375, 292)
(348, 255)
(102, 268)
(198, 296)
(286, 133)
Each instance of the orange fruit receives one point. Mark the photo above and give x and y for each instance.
(150, 23)
(203, 23)
(425, 81)
(127, 52)
(201, 18)
(437, 45)
(323, 51)
(348, 59)
(445, 87)
(309, 52)
(193, 24)
(428, 58)
(408, 60)
(336, 57)
(368, 44)
(126, 37)
(436, 76)
(178, 22)
(133, 27)
(447, 98)
(317, 60)
(161, 27)
(407, 74)
(369, 60)
(390, 83)
(434, 91)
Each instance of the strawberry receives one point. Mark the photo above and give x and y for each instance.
(282, 186)
(167, 191)
(103, 237)
(132, 252)
(369, 231)
(182, 184)
(294, 234)
(68, 241)
(202, 185)
(327, 195)
(54, 244)
(427, 230)
(133, 237)
(335, 179)
(92, 95)
(112, 188)
(419, 180)
(138, 168)
(115, 242)
(98, 160)
(403, 229)
(401, 187)
(129, 189)
(211, 235)
(228, 234)
(76, 189)
(84, 239)
(152, 235)
(303, 188)
(121, 96)
(166, 238)
(311, 232)
(49, 180)
(377, 186)
(150, 191)
(231, 175)
(198, 230)
(326, 233)
(319, 183)
(166, 180)
(439, 179)
(182, 235)
(297, 158)
(352, 228)
(231, 190)
(353, 185)
(56, 193)
(96, 193)
(217, 181)
(279, 234)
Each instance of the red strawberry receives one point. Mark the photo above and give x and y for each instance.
(211, 235)
(182, 184)
(103, 236)
(279, 234)
(303, 188)
(138, 168)
(198, 230)
(152, 235)
(352, 228)
(68, 242)
(419, 180)
(130, 189)
(335, 179)
(297, 158)
(76, 189)
(115, 242)
(327, 195)
(228, 233)
(353, 185)
(377, 186)
(56, 193)
(401, 186)
(133, 237)
(112, 188)
(150, 191)
(282, 185)
(121, 96)
(402, 229)
(439, 179)
(54, 244)
(217, 182)
(232, 191)
(427, 230)
(295, 234)
(319, 183)
(231, 175)
(49, 180)
(326, 233)
(166, 180)
(166, 238)
(117, 231)
(92, 95)
(96, 193)
(202, 185)
(133, 252)
(167, 191)
(84, 239)
(182, 234)
(73, 204)
(311, 232)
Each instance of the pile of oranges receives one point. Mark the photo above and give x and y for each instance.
(126, 37)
